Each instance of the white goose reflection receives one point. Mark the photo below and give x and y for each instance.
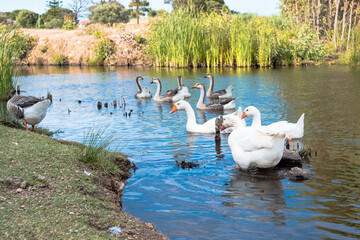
(258, 194)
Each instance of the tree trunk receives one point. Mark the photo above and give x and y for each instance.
(318, 18)
(329, 15)
(307, 13)
(337, 3)
(343, 24)
(137, 14)
(297, 13)
(313, 13)
(350, 18)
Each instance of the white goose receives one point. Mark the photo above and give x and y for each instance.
(219, 104)
(192, 126)
(142, 92)
(170, 96)
(220, 93)
(291, 130)
(30, 110)
(253, 147)
(183, 90)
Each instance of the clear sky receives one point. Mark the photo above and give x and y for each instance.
(260, 7)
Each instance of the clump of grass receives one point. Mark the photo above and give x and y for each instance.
(59, 59)
(93, 151)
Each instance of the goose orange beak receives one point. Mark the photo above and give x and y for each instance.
(243, 115)
(174, 109)
(195, 86)
(222, 128)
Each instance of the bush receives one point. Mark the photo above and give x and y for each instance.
(59, 59)
(27, 19)
(69, 23)
(109, 13)
(54, 23)
(102, 50)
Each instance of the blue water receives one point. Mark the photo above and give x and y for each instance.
(215, 201)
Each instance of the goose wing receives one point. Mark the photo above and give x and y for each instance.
(24, 101)
(171, 92)
(219, 102)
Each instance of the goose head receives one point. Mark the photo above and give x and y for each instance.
(250, 111)
(199, 86)
(180, 105)
(155, 80)
(138, 78)
(229, 121)
(209, 76)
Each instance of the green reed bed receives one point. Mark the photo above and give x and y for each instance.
(11, 43)
(186, 38)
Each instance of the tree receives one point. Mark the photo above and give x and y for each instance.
(54, 6)
(140, 7)
(27, 19)
(12, 15)
(200, 5)
(56, 21)
(109, 13)
(79, 6)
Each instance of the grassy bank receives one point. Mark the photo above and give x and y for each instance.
(58, 200)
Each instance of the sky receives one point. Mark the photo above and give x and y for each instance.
(260, 7)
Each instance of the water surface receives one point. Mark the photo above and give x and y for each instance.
(215, 201)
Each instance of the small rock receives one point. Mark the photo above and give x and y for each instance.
(87, 173)
(298, 174)
(290, 159)
(115, 230)
(13, 182)
(2, 199)
(19, 190)
(150, 225)
(15, 143)
(23, 185)
(71, 213)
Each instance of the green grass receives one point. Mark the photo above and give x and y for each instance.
(66, 204)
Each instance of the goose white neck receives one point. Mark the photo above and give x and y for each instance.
(158, 90)
(211, 87)
(191, 119)
(256, 118)
(201, 102)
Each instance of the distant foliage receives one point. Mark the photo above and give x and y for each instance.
(109, 13)
(27, 19)
(69, 23)
(140, 7)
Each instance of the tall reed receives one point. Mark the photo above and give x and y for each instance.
(188, 38)
(11, 42)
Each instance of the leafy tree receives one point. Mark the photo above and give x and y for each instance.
(200, 5)
(27, 19)
(57, 21)
(12, 15)
(140, 7)
(109, 13)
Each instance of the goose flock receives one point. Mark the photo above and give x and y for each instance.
(251, 146)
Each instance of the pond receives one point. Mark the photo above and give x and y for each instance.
(215, 201)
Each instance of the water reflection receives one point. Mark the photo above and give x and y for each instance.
(260, 193)
(213, 201)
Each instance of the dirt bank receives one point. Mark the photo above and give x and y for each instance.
(77, 46)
